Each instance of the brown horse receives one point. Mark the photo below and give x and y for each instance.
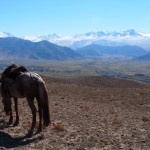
(17, 82)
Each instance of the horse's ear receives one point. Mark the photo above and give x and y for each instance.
(14, 65)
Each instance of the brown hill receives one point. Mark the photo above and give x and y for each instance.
(87, 113)
(101, 82)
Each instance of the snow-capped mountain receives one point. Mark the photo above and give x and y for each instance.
(5, 34)
(128, 37)
(104, 38)
(114, 34)
(50, 38)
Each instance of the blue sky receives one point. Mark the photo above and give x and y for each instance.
(68, 17)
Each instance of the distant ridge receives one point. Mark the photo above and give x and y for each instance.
(144, 57)
(98, 50)
(16, 48)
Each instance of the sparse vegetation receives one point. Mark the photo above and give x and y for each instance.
(145, 119)
(58, 126)
(116, 121)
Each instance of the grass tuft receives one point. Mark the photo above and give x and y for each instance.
(58, 127)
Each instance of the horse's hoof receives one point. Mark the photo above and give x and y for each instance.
(9, 123)
(39, 130)
(16, 124)
(30, 133)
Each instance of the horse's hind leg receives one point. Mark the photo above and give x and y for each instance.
(40, 114)
(33, 109)
(16, 109)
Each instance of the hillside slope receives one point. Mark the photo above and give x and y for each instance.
(23, 49)
(86, 116)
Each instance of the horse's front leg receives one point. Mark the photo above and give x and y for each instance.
(16, 109)
(10, 115)
(33, 110)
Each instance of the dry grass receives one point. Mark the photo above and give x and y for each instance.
(116, 121)
(145, 119)
(85, 108)
(58, 126)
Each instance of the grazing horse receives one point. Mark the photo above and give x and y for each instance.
(17, 82)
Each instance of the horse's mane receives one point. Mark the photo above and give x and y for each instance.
(13, 71)
(10, 72)
(8, 69)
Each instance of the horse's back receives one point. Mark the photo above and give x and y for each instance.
(28, 84)
(30, 77)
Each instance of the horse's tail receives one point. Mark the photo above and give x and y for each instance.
(43, 97)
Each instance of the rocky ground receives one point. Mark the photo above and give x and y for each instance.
(87, 113)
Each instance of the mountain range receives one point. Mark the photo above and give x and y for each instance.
(128, 37)
(104, 38)
(91, 44)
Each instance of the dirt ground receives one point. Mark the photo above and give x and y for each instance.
(87, 113)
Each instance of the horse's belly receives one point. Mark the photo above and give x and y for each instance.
(17, 94)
